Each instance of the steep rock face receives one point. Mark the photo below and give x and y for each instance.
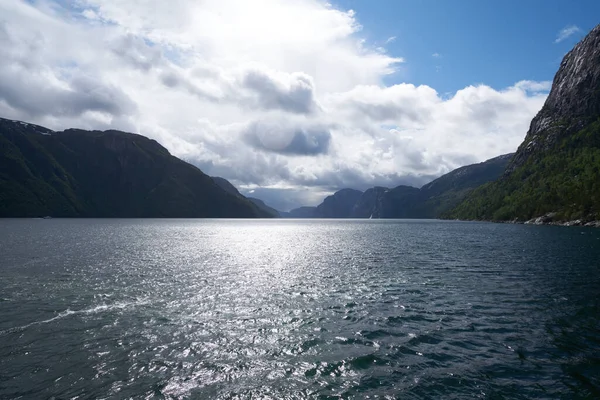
(573, 102)
(76, 173)
(370, 203)
(338, 205)
(556, 170)
(399, 202)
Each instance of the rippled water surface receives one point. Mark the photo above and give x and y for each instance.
(298, 309)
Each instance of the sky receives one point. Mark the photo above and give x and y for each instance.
(293, 99)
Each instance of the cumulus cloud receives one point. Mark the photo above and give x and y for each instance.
(284, 137)
(566, 33)
(288, 92)
(33, 88)
(403, 103)
(281, 97)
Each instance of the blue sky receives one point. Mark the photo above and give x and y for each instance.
(493, 42)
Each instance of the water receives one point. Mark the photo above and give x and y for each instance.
(298, 309)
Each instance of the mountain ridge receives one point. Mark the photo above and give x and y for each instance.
(554, 175)
(231, 189)
(430, 201)
(79, 173)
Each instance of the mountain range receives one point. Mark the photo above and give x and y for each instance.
(553, 177)
(78, 173)
(431, 201)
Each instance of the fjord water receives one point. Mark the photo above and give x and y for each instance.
(231, 309)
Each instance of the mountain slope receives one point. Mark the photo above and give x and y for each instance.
(400, 202)
(264, 207)
(447, 191)
(226, 186)
(339, 204)
(265, 210)
(370, 203)
(431, 201)
(440, 195)
(76, 173)
(301, 212)
(557, 167)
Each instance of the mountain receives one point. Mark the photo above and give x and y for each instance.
(77, 173)
(338, 205)
(447, 191)
(370, 203)
(399, 202)
(264, 207)
(440, 195)
(301, 212)
(431, 201)
(555, 173)
(226, 186)
(229, 188)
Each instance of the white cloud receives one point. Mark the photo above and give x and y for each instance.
(436, 55)
(534, 87)
(391, 39)
(567, 32)
(283, 97)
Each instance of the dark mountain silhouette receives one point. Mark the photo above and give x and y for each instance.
(431, 201)
(77, 173)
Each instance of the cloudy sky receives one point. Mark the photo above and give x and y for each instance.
(292, 99)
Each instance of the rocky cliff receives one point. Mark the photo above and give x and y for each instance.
(573, 102)
(555, 173)
(370, 204)
(338, 205)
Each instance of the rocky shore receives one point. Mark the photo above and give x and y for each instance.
(546, 219)
(550, 219)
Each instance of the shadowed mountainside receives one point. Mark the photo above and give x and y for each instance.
(431, 201)
(77, 173)
(229, 188)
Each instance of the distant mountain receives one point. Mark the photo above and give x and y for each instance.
(229, 188)
(555, 173)
(431, 201)
(301, 212)
(447, 191)
(338, 205)
(370, 203)
(264, 207)
(77, 173)
(399, 202)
